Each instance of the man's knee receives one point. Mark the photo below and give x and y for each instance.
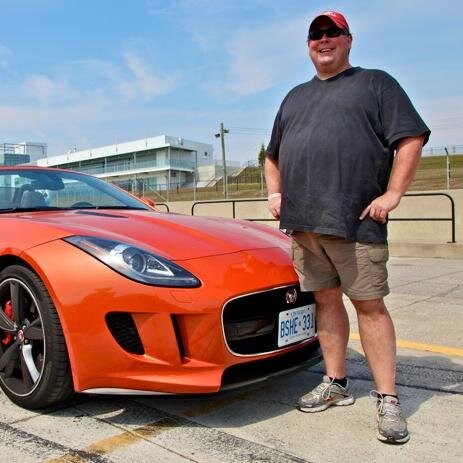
(371, 307)
(328, 297)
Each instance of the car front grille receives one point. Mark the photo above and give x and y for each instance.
(251, 321)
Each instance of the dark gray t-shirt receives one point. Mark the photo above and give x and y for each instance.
(334, 141)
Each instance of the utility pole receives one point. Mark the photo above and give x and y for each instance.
(221, 135)
(447, 168)
(195, 176)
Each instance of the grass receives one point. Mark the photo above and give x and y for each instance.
(431, 175)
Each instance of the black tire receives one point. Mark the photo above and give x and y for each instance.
(34, 363)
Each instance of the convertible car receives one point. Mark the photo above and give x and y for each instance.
(101, 293)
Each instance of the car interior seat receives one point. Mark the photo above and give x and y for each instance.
(31, 198)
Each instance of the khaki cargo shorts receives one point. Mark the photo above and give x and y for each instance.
(327, 261)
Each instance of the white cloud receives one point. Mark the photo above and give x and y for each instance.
(160, 7)
(4, 50)
(264, 57)
(45, 90)
(255, 56)
(200, 8)
(132, 80)
(144, 84)
(84, 103)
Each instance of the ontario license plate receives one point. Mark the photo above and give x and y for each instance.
(296, 325)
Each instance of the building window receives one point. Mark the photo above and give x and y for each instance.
(15, 159)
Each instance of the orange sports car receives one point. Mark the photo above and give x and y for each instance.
(100, 293)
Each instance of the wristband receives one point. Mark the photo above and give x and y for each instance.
(273, 195)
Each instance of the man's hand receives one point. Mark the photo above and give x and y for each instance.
(380, 207)
(406, 162)
(274, 204)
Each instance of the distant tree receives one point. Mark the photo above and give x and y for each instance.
(261, 156)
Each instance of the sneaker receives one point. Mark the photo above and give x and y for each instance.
(327, 393)
(392, 427)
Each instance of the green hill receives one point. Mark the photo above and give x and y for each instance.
(250, 183)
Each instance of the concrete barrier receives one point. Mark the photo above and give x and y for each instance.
(406, 238)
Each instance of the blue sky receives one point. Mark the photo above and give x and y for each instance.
(81, 73)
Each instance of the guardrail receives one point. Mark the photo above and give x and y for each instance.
(163, 205)
(411, 219)
(233, 202)
(431, 219)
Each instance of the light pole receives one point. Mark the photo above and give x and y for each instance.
(167, 185)
(221, 135)
(194, 175)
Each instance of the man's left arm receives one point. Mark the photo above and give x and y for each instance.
(404, 168)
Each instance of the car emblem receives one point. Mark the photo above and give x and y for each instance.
(291, 296)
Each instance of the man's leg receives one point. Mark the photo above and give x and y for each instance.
(333, 330)
(377, 336)
(333, 333)
(378, 341)
(317, 273)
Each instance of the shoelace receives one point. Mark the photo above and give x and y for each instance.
(387, 410)
(323, 390)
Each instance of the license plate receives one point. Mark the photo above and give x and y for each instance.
(296, 325)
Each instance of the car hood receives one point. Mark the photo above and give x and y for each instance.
(175, 236)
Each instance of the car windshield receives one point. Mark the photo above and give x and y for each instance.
(45, 189)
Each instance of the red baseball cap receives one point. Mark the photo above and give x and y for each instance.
(337, 18)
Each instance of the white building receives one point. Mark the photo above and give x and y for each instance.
(12, 154)
(151, 164)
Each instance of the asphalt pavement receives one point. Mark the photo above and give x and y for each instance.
(260, 423)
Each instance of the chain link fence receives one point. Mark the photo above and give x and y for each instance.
(442, 171)
(441, 168)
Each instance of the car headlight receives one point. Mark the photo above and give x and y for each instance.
(135, 263)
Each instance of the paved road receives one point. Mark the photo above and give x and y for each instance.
(260, 424)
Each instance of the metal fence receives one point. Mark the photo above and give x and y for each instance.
(442, 150)
(441, 168)
(448, 218)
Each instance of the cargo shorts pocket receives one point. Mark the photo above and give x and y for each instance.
(378, 253)
(378, 256)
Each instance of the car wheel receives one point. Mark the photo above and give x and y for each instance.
(34, 363)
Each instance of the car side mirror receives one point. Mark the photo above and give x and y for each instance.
(148, 201)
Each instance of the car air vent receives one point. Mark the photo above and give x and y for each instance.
(124, 331)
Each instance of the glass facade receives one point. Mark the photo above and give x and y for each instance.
(15, 159)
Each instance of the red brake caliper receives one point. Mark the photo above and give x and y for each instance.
(8, 309)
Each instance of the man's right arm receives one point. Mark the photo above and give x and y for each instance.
(273, 182)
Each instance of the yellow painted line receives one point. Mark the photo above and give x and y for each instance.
(452, 351)
(150, 430)
(68, 458)
(122, 440)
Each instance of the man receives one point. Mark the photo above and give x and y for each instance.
(332, 179)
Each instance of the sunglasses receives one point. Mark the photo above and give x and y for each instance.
(331, 32)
